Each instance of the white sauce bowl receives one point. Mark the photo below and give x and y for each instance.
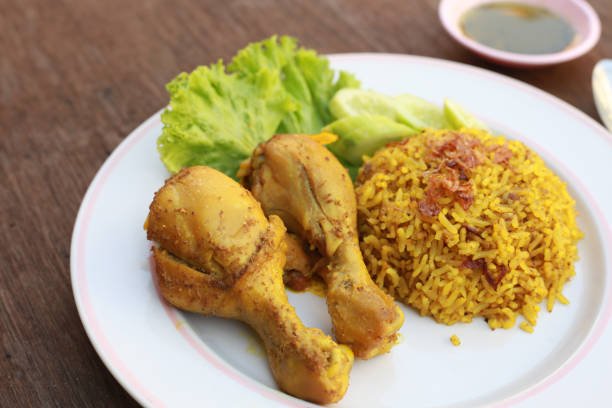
(578, 13)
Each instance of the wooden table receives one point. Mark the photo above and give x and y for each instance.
(77, 76)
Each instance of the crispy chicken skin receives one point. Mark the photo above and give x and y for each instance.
(299, 180)
(217, 254)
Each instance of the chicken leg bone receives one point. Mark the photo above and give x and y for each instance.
(217, 254)
(299, 180)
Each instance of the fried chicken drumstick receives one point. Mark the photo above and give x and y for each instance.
(217, 254)
(299, 180)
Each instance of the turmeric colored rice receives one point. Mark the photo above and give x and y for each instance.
(464, 224)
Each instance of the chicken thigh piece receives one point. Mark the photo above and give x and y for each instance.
(217, 254)
(299, 180)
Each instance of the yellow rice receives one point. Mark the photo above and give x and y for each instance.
(522, 215)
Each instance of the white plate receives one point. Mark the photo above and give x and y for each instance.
(164, 357)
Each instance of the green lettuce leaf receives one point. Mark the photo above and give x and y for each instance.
(306, 77)
(217, 119)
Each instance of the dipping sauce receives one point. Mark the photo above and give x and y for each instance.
(518, 28)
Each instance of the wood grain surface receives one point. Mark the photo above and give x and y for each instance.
(77, 76)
